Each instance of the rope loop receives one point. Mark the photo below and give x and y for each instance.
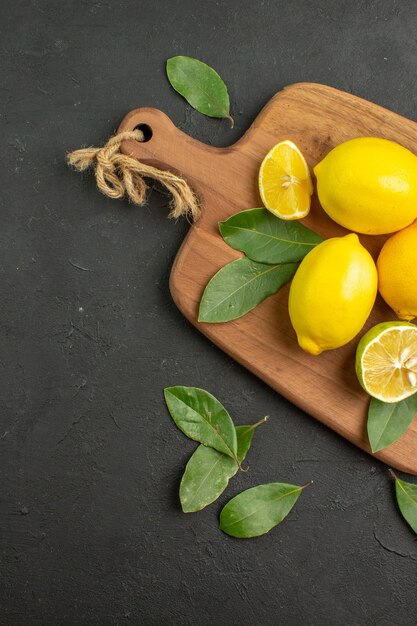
(119, 175)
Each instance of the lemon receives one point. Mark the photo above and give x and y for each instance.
(386, 361)
(397, 272)
(285, 182)
(332, 293)
(369, 185)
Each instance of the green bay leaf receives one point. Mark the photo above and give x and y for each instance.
(387, 421)
(266, 238)
(239, 286)
(255, 511)
(200, 85)
(208, 472)
(406, 494)
(202, 417)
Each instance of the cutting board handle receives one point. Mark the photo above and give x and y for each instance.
(168, 148)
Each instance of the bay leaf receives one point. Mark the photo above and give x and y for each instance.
(387, 421)
(255, 511)
(202, 417)
(406, 494)
(239, 286)
(208, 471)
(200, 85)
(266, 238)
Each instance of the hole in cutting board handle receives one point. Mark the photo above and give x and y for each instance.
(146, 130)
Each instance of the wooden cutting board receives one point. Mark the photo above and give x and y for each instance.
(316, 118)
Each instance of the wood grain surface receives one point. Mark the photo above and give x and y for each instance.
(316, 118)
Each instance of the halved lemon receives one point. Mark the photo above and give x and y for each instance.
(285, 182)
(386, 361)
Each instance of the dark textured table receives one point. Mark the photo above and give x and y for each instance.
(90, 525)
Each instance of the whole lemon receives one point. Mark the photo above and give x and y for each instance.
(397, 272)
(332, 293)
(369, 185)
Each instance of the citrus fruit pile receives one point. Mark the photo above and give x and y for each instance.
(369, 186)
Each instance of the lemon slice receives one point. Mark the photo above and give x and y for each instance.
(285, 182)
(386, 361)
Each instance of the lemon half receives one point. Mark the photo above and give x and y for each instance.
(386, 361)
(285, 182)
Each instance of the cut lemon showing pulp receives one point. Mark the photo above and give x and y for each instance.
(285, 182)
(386, 361)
